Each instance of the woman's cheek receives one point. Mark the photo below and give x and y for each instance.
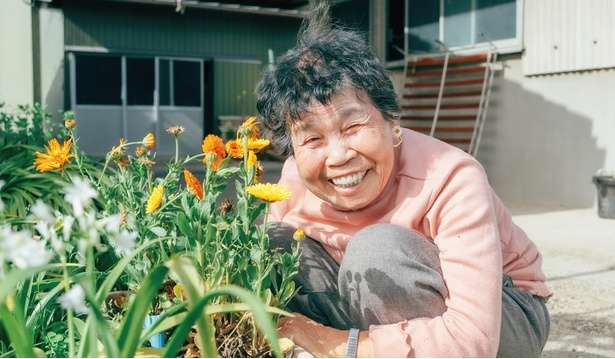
(308, 163)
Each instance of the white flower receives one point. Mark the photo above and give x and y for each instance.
(42, 212)
(43, 229)
(21, 249)
(74, 299)
(66, 226)
(79, 194)
(112, 223)
(124, 242)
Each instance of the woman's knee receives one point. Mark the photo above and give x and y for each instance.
(395, 268)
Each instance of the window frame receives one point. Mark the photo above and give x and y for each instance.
(504, 46)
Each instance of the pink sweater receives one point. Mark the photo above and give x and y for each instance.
(443, 193)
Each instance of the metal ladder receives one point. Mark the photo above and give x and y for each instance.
(460, 85)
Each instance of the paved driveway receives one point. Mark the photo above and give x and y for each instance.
(578, 249)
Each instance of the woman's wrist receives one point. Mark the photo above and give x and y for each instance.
(366, 347)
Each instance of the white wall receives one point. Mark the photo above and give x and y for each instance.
(16, 86)
(546, 136)
(51, 25)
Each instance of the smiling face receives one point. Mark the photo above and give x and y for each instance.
(344, 150)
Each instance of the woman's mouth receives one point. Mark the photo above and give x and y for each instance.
(348, 180)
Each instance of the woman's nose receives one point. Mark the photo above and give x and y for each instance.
(338, 153)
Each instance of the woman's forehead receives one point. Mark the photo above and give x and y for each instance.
(341, 106)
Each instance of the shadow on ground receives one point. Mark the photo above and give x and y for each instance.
(585, 334)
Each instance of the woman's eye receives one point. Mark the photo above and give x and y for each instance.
(353, 127)
(310, 140)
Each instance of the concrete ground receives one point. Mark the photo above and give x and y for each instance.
(578, 251)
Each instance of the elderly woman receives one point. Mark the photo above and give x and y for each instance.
(408, 250)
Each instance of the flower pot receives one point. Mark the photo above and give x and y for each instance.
(157, 340)
(605, 186)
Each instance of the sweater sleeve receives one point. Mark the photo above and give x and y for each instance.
(463, 225)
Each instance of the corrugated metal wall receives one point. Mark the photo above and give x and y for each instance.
(235, 41)
(235, 84)
(568, 35)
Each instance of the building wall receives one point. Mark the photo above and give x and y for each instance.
(16, 75)
(51, 59)
(545, 136)
(237, 42)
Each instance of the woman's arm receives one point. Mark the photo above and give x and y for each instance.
(463, 224)
(320, 340)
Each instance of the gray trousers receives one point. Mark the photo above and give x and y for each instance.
(390, 274)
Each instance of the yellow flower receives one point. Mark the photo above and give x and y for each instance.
(149, 141)
(249, 123)
(299, 235)
(56, 156)
(234, 149)
(117, 152)
(257, 144)
(214, 144)
(70, 123)
(252, 159)
(155, 199)
(269, 192)
(249, 128)
(178, 291)
(193, 184)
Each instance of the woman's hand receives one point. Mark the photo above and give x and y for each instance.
(317, 339)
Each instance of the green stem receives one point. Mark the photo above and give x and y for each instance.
(102, 173)
(69, 318)
(176, 149)
(194, 157)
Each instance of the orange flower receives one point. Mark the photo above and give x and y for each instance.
(149, 141)
(193, 184)
(215, 145)
(56, 157)
(249, 128)
(70, 123)
(234, 149)
(140, 151)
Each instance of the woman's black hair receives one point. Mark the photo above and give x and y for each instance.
(325, 60)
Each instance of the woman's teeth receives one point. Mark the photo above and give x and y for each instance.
(349, 181)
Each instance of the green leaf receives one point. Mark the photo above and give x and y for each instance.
(15, 328)
(132, 325)
(261, 318)
(11, 280)
(184, 225)
(159, 231)
(107, 285)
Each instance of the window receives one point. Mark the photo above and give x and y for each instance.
(458, 24)
(98, 80)
(187, 83)
(165, 82)
(180, 83)
(140, 76)
(352, 14)
(395, 30)
(462, 24)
